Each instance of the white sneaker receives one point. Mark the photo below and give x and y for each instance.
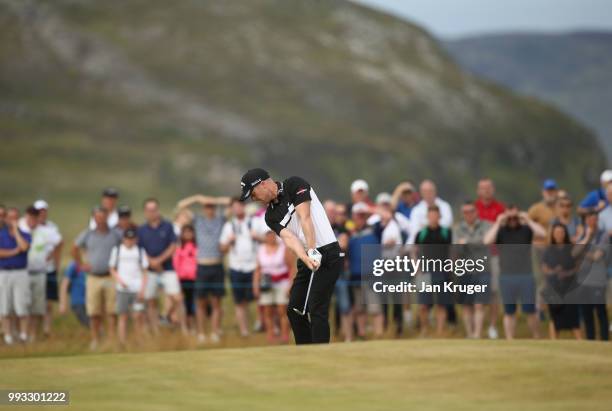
(258, 326)
(23, 337)
(492, 331)
(201, 339)
(215, 338)
(8, 339)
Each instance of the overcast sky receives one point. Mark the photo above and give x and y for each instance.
(456, 18)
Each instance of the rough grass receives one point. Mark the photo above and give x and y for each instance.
(382, 375)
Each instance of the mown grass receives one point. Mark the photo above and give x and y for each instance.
(381, 375)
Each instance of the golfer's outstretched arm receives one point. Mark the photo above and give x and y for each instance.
(294, 244)
(303, 210)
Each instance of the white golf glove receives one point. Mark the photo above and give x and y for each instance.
(315, 255)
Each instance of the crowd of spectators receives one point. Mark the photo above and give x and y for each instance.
(173, 273)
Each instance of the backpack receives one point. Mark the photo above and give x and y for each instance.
(403, 232)
(116, 267)
(249, 222)
(423, 233)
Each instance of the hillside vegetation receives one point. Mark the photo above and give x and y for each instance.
(167, 98)
(571, 70)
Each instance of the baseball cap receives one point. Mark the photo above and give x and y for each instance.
(124, 211)
(606, 176)
(110, 192)
(129, 233)
(550, 184)
(360, 208)
(359, 185)
(41, 205)
(383, 198)
(250, 180)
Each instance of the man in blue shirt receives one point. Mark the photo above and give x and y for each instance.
(363, 236)
(404, 198)
(597, 199)
(157, 238)
(14, 279)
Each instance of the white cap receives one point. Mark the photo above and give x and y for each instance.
(360, 207)
(383, 198)
(359, 185)
(606, 177)
(41, 205)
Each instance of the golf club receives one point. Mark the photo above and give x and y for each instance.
(303, 312)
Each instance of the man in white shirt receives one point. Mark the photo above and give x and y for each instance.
(238, 239)
(418, 216)
(45, 239)
(396, 225)
(53, 262)
(110, 197)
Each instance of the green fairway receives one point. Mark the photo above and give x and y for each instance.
(384, 375)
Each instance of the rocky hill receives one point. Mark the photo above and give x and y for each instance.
(168, 98)
(572, 70)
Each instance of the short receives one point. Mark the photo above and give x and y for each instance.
(515, 288)
(101, 296)
(38, 293)
(52, 286)
(277, 295)
(168, 280)
(477, 279)
(242, 286)
(127, 302)
(365, 300)
(188, 289)
(210, 281)
(440, 297)
(14, 292)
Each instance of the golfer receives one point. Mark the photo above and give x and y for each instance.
(296, 215)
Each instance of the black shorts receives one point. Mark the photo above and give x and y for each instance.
(52, 294)
(242, 286)
(210, 281)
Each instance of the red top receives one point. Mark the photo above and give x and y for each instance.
(490, 211)
(185, 261)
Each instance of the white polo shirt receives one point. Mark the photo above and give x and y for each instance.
(242, 254)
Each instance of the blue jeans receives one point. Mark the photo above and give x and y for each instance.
(343, 298)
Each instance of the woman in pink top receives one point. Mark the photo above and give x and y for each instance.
(271, 283)
(185, 264)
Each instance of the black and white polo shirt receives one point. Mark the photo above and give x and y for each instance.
(281, 212)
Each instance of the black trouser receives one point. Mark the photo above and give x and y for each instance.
(315, 331)
(589, 323)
